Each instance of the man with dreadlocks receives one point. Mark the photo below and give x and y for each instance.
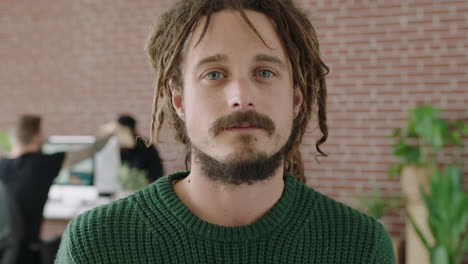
(238, 80)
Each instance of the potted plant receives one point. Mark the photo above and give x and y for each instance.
(447, 207)
(421, 141)
(421, 147)
(130, 179)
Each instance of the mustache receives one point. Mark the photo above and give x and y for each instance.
(237, 118)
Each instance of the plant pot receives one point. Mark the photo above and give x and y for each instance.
(411, 180)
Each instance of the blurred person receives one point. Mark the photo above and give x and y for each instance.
(29, 174)
(238, 80)
(134, 152)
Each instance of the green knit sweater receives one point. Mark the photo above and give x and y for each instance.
(154, 226)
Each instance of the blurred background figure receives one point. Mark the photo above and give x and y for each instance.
(28, 175)
(134, 152)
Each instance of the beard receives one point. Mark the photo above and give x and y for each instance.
(237, 170)
(246, 166)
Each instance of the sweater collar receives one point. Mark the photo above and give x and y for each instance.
(269, 222)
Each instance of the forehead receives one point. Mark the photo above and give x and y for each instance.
(229, 34)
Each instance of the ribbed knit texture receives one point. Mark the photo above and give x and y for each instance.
(154, 226)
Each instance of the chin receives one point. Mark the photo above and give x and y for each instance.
(244, 156)
(242, 166)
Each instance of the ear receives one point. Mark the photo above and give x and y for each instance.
(297, 101)
(177, 100)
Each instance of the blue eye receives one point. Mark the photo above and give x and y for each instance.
(265, 73)
(214, 75)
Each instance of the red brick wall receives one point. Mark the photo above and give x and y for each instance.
(385, 56)
(81, 63)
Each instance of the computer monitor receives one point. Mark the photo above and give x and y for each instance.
(81, 174)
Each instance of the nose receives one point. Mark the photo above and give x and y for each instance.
(241, 95)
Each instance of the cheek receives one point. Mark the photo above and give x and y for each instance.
(199, 115)
(285, 125)
(202, 103)
(282, 112)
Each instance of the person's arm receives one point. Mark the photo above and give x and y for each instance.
(74, 157)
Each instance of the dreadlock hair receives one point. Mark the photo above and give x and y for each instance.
(165, 48)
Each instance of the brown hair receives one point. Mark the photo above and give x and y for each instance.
(165, 50)
(27, 127)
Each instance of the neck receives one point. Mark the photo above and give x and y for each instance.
(228, 205)
(21, 150)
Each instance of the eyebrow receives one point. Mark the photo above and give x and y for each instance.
(211, 59)
(268, 58)
(218, 58)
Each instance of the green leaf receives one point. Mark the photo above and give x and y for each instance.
(413, 154)
(436, 133)
(424, 122)
(434, 219)
(396, 133)
(436, 187)
(459, 217)
(461, 126)
(453, 174)
(447, 208)
(418, 231)
(395, 170)
(464, 247)
(422, 112)
(409, 154)
(422, 117)
(440, 256)
(455, 138)
(399, 148)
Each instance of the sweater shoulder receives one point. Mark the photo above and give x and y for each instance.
(92, 236)
(104, 220)
(335, 211)
(121, 211)
(348, 229)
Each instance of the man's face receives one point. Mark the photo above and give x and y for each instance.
(238, 100)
